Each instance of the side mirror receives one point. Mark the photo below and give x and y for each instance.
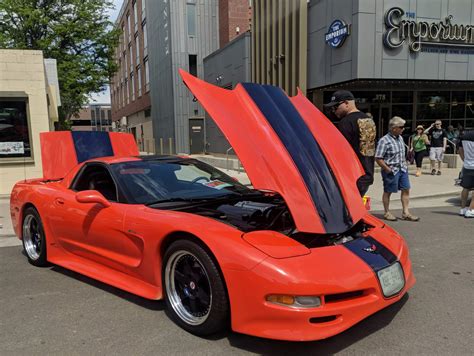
(92, 196)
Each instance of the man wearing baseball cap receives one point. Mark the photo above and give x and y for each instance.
(359, 130)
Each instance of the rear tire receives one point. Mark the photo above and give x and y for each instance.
(194, 290)
(34, 238)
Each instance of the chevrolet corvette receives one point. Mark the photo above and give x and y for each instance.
(295, 257)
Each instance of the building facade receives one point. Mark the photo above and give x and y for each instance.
(279, 43)
(130, 86)
(28, 106)
(410, 58)
(181, 33)
(226, 67)
(93, 117)
(235, 18)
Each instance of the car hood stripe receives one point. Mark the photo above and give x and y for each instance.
(61, 151)
(372, 252)
(306, 154)
(271, 164)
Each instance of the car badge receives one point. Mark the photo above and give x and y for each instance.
(371, 249)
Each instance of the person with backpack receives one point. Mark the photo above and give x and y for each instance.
(359, 130)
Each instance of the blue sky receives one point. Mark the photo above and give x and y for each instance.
(104, 97)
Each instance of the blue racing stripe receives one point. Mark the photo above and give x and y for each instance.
(91, 145)
(306, 154)
(372, 252)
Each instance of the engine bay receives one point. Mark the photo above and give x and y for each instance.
(269, 212)
(262, 213)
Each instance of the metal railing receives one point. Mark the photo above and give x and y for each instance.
(454, 145)
(239, 164)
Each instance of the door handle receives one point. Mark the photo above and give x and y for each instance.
(59, 201)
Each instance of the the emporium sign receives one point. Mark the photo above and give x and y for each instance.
(337, 33)
(416, 34)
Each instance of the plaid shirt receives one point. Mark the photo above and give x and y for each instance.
(392, 150)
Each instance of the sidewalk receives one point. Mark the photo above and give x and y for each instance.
(424, 187)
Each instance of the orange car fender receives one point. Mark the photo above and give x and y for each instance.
(25, 194)
(158, 229)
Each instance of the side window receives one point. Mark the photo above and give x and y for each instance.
(98, 178)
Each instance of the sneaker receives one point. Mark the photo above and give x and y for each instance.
(469, 213)
(462, 212)
(439, 173)
(417, 174)
(433, 172)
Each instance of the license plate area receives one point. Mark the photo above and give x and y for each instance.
(392, 279)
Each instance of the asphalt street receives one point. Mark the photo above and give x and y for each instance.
(56, 312)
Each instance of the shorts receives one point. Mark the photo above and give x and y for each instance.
(392, 183)
(467, 180)
(436, 154)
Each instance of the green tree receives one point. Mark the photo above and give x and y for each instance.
(77, 33)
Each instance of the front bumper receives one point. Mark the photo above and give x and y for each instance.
(349, 289)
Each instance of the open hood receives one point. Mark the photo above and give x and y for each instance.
(61, 151)
(288, 146)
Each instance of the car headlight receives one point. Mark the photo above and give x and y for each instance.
(294, 301)
(392, 279)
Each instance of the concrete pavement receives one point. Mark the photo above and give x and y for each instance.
(53, 311)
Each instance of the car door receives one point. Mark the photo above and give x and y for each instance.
(90, 230)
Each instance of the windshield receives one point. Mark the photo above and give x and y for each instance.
(149, 182)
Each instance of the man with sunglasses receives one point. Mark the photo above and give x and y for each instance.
(359, 130)
(438, 139)
(390, 156)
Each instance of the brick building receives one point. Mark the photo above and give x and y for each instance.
(130, 86)
(234, 18)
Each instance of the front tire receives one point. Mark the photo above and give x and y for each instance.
(34, 238)
(194, 290)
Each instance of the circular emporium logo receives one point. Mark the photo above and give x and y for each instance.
(337, 33)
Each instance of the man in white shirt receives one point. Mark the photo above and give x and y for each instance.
(466, 151)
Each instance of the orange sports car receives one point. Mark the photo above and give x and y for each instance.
(297, 257)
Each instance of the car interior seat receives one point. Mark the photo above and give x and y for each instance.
(104, 185)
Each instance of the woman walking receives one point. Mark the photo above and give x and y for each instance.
(418, 143)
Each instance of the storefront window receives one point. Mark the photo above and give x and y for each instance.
(458, 110)
(403, 97)
(432, 112)
(14, 129)
(470, 109)
(404, 111)
(434, 97)
(458, 96)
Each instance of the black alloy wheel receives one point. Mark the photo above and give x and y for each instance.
(194, 290)
(34, 238)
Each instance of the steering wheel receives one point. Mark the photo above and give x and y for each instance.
(197, 179)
